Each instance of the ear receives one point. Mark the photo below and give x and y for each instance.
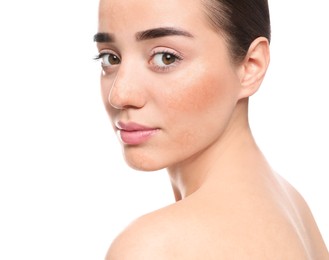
(254, 67)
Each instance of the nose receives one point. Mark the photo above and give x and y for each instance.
(127, 90)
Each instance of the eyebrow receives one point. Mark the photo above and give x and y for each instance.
(103, 37)
(145, 35)
(161, 32)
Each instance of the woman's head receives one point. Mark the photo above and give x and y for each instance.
(168, 82)
(240, 22)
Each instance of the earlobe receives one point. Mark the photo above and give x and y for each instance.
(254, 67)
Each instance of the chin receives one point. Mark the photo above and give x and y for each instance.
(144, 166)
(142, 163)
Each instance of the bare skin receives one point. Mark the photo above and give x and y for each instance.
(244, 211)
(229, 202)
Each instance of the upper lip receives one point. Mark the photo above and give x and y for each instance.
(132, 126)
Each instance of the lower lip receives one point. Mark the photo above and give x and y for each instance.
(136, 137)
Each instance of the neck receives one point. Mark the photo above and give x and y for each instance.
(227, 155)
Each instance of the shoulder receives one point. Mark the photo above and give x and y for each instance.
(148, 237)
(178, 231)
(193, 229)
(306, 224)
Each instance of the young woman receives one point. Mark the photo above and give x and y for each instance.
(176, 80)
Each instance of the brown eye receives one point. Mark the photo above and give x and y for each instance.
(109, 59)
(113, 59)
(167, 58)
(164, 59)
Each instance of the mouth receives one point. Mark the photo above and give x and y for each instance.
(134, 134)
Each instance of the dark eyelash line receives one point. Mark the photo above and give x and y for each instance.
(169, 67)
(176, 55)
(101, 55)
(98, 56)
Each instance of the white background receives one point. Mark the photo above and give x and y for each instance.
(65, 191)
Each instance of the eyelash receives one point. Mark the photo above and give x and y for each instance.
(103, 54)
(178, 57)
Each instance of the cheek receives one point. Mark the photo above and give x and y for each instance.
(105, 92)
(203, 92)
(105, 89)
(199, 106)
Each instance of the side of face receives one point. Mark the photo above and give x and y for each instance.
(188, 96)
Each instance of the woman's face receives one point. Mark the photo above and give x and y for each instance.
(167, 81)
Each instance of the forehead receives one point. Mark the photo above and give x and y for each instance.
(132, 15)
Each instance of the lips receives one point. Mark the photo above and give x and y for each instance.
(133, 133)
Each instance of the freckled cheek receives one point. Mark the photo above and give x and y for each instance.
(197, 94)
(198, 107)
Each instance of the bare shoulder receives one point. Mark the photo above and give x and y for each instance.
(305, 223)
(210, 228)
(151, 236)
(179, 231)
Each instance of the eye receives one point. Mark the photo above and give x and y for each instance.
(164, 60)
(108, 59)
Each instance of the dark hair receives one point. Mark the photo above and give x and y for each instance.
(240, 22)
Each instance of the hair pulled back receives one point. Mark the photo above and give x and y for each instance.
(240, 22)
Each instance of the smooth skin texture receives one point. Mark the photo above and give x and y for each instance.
(229, 202)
